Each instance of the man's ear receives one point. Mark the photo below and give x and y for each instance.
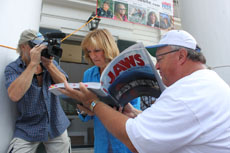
(22, 46)
(183, 55)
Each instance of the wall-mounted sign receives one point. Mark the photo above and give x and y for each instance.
(154, 13)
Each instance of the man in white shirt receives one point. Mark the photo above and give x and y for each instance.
(192, 115)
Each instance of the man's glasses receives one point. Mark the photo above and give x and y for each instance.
(172, 51)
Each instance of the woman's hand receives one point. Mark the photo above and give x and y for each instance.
(85, 110)
(83, 95)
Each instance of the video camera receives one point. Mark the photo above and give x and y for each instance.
(52, 41)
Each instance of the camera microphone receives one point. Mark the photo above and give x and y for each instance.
(55, 35)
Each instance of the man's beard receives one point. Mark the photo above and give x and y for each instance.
(27, 57)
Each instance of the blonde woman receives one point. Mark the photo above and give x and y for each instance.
(100, 48)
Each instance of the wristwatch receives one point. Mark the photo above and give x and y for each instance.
(93, 104)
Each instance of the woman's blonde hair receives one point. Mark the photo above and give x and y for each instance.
(100, 39)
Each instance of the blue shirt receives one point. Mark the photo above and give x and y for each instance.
(104, 142)
(40, 114)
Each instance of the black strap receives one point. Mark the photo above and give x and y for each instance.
(39, 74)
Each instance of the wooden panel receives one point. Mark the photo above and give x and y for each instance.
(77, 140)
(71, 53)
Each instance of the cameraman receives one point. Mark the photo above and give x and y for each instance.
(41, 118)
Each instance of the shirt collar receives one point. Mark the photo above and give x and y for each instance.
(20, 62)
(97, 71)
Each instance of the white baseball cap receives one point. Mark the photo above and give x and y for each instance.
(177, 38)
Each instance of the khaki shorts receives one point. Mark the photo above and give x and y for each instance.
(60, 144)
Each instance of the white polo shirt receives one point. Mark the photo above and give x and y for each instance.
(190, 116)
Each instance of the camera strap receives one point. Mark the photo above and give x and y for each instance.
(39, 74)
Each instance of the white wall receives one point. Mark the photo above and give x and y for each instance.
(15, 17)
(209, 22)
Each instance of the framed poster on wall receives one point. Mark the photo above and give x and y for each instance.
(153, 13)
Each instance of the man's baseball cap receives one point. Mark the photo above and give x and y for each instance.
(177, 38)
(31, 35)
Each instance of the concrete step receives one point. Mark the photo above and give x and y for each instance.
(82, 150)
